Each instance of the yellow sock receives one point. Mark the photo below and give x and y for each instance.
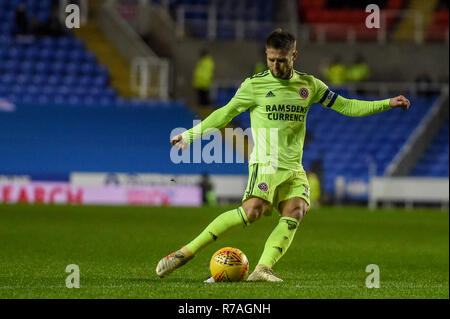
(279, 241)
(217, 227)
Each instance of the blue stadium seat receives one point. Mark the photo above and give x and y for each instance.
(31, 54)
(58, 67)
(64, 44)
(99, 81)
(48, 43)
(60, 55)
(7, 79)
(46, 54)
(72, 69)
(70, 80)
(75, 56)
(10, 66)
(38, 80)
(435, 159)
(87, 68)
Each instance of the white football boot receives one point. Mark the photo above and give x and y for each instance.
(171, 262)
(263, 273)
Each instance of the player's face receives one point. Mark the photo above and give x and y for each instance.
(281, 62)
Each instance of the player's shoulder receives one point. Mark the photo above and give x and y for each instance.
(305, 76)
(259, 75)
(308, 79)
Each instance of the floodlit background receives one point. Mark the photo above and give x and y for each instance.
(105, 98)
(86, 114)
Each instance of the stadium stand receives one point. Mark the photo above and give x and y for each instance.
(434, 161)
(47, 75)
(51, 141)
(438, 28)
(45, 68)
(255, 14)
(334, 19)
(342, 16)
(58, 81)
(57, 70)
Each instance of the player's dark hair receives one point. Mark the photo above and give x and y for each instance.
(280, 39)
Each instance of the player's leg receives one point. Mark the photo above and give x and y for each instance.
(292, 200)
(216, 228)
(292, 212)
(249, 212)
(252, 208)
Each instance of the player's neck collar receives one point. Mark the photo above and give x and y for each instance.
(289, 78)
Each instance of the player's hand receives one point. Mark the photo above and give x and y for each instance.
(178, 141)
(400, 101)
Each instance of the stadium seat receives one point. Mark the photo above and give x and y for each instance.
(435, 159)
(247, 11)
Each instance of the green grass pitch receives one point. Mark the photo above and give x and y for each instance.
(117, 249)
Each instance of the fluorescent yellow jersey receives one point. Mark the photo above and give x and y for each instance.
(278, 111)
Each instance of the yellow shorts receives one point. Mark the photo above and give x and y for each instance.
(277, 186)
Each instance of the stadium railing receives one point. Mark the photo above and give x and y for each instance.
(203, 22)
(150, 77)
(408, 190)
(149, 73)
(322, 32)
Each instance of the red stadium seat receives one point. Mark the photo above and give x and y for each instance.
(441, 17)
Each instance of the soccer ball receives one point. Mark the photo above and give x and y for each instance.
(228, 264)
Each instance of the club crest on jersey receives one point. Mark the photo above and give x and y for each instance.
(304, 93)
(263, 186)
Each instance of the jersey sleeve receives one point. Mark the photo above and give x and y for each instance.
(348, 107)
(242, 100)
(322, 94)
(353, 107)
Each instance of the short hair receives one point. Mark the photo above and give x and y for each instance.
(280, 39)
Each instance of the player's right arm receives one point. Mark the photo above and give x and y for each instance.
(242, 100)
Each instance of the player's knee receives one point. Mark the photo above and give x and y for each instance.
(253, 211)
(298, 211)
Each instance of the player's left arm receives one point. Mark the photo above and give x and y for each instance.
(353, 107)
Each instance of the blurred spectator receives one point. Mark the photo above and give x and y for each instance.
(336, 72)
(21, 20)
(36, 27)
(359, 70)
(314, 177)
(208, 196)
(314, 186)
(423, 82)
(308, 139)
(260, 65)
(203, 77)
(54, 27)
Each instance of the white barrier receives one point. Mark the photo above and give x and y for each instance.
(230, 187)
(65, 193)
(408, 190)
